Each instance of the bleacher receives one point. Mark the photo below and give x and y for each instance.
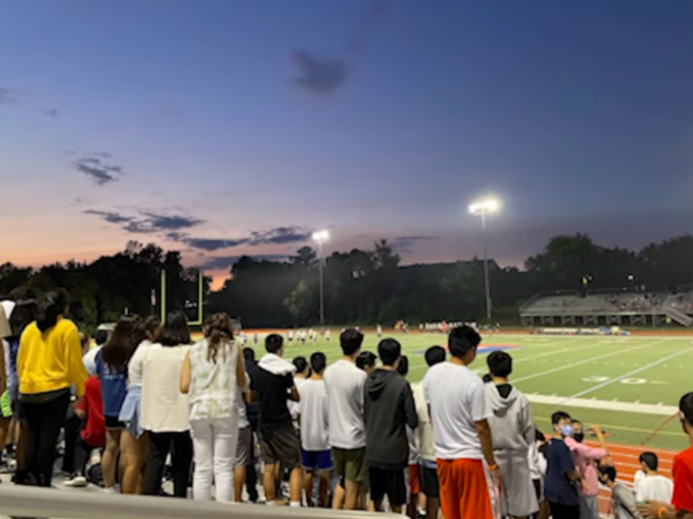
(609, 307)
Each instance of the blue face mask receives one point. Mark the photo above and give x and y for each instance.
(566, 430)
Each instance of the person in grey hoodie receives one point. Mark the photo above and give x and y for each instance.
(622, 497)
(512, 430)
(388, 409)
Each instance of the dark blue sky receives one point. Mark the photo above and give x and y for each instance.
(250, 123)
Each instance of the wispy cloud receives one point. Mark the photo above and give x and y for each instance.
(275, 236)
(406, 243)
(50, 112)
(8, 96)
(226, 262)
(147, 222)
(96, 168)
(317, 75)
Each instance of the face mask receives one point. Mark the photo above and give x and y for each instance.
(579, 436)
(566, 430)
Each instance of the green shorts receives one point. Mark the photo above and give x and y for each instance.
(6, 405)
(350, 464)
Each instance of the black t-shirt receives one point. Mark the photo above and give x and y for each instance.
(272, 391)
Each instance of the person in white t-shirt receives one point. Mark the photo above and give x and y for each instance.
(649, 484)
(301, 375)
(346, 428)
(424, 440)
(315, 444)
(460, 409)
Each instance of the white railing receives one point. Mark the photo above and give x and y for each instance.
(20, 501)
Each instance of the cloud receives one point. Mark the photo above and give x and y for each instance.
(98, 169)
(152, 222)
(148, 222)
(8, 96)
(225, 262)
(276, 236)
(50, 112)
(280, 236)
(405, 243)
(319, 76)
(109, 216)
(206, 244)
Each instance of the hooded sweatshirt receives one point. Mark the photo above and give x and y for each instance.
(388, 408)
(512, 425)
(271, 379)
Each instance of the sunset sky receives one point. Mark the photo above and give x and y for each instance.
(230, 127)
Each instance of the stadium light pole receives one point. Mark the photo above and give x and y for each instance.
(483, 208)
(321, 237)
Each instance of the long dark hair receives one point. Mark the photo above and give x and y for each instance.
(50, 307)
(123, 342)
(23, 314)
(175, 330)
(218, 331)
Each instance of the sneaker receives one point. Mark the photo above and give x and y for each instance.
(110, 490)
(76, 482)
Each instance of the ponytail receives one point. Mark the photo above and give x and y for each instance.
(218, 332)
(50, 307)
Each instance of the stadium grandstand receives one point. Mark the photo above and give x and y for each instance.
(609, 307)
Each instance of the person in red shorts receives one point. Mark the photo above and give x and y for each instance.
(681, 506)
(459, 410)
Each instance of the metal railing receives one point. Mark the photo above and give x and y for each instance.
(17, 501)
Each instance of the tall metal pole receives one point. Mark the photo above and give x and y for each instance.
(322, 298)
(486, 279)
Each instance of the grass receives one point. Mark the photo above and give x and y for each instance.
(628, 370)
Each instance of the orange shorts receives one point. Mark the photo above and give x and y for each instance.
(464, 489)
(414, 480)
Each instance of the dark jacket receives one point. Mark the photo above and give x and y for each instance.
(388, 407)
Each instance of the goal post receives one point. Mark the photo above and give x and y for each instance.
(200, 298)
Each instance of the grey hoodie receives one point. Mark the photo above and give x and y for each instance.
(512, 425)
(388, 407)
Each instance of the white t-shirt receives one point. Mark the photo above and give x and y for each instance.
(424, 432)
(653, 488)
(345, 385)
(136, 363)
(457, 399)
(89, 359)
(313, 409)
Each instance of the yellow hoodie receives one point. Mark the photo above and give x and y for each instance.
(51, 360)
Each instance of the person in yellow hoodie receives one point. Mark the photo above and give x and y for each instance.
(49, 362)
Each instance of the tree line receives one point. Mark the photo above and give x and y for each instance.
(360, 286)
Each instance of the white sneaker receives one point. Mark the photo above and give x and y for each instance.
(110, 490)
(77, 482)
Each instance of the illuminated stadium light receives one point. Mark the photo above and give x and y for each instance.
(321, 236)
(485, 206)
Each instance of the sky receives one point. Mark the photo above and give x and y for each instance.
(230, 127)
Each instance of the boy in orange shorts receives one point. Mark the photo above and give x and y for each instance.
(459, 411)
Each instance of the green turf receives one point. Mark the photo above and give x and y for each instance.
(647, 370)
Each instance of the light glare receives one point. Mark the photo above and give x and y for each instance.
(321, 236)
(486, 206)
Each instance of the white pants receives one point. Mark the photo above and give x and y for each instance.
(214, 445)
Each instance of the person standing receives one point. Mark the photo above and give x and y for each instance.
(165, 413)
(424, 440)
(111, 368)
(562, 477)
(460, 411)
(345, 385)
(314, 437)
(512, 427)
(212, 374)
(272, 381)
(388, 410)
(49, 361)
(252, 410)
(622, 498)
(134, 441)
(586, 459)
(649, 484)
(681, 506)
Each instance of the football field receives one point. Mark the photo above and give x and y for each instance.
(630, 386)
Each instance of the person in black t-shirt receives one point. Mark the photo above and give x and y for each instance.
(273, 382)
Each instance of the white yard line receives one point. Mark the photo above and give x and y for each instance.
(606, 405)
(626, 375)
(586, 361)
(561, 350)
